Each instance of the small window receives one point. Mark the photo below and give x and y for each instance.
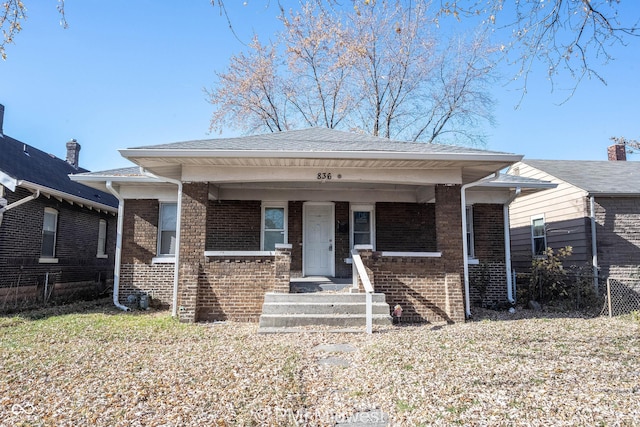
(362, 225)
(102, 239)
(167, 229)
(274, 226)
(470, 244)
(538, 236)
(49, 230)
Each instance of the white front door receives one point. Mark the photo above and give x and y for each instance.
(318, 240)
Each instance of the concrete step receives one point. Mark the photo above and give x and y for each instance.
(322, 308)
(336, 310)
(334, 320)
(321, 297)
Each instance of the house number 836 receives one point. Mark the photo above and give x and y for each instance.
(324, 175)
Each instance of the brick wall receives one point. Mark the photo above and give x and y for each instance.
(405, 227)
(488, 284)
(618, 236)
(428, 289)
(488, 231)
(233, 225)
(156, 280)
(78, 272)
(295, 237)
(342, 249)
(420, 285)
(140, 231)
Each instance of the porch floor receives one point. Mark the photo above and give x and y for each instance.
(319, 284)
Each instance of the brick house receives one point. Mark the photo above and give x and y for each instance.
(595, 209)
(209, 227)
(57, 237)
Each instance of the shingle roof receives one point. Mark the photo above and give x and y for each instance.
(595, 177)
(128, 171)
(315, 139)
(25, 162)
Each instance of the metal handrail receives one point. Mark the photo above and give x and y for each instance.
(361, 271)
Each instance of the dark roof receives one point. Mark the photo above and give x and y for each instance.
(24, 162)
(595, 177)
(315, 139)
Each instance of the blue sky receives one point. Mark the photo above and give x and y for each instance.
(131, 73)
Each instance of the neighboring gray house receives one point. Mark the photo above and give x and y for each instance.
(595, 209)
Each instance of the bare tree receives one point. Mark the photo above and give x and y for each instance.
(251, 92)
(571, 36)
(378, 70)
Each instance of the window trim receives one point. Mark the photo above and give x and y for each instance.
(101, 251)
(533, 237)
(49, 259)
(159, 254)
(369, 207)
(277, 205)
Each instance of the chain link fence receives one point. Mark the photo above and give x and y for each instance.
(622, 296)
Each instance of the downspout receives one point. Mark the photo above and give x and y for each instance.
(176, 268)
(594, 243)
(18, 203)
(465, 256)
(116, 267)
(507, 245)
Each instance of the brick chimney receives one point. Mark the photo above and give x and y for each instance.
(73, 153)
(1, 119)
(617, 152)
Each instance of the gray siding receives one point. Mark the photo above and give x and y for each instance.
(565, 210)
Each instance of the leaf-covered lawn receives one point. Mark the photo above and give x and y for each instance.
(99, 366)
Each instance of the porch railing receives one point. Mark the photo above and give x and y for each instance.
(360, 271)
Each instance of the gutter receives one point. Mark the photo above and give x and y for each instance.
(507, 245)
(116, 268)
(176, 268)
(465, 256)
(18, 203)
(594, 243)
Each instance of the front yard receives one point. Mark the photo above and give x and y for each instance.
(99, 366)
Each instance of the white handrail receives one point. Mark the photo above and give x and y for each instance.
(361, 271)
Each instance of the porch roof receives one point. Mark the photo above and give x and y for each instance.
(318, 147)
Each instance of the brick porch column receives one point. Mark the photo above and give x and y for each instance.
(449, 240)
(282, 268)
(193, 231)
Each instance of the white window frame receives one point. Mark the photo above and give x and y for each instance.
(533, 237)
(371, 208)
(102, 239)
(160, 230)
(275, 205)
(471, 252)
(50, 258)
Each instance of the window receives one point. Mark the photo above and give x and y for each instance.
(362, 225)
(538, 236)
(49, 229)
(167, 229)
(274, 226)
(470, 244)
(102, 239)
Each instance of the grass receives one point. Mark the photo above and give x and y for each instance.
(91, 364)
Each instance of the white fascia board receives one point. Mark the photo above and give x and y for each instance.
(8, 181)
(132, 153)
(540, 185)
(65, 196)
